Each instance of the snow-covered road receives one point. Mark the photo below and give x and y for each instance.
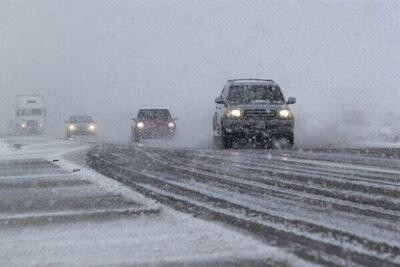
(55, 211)
(339, 208)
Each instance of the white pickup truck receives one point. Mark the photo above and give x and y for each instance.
(30, 115)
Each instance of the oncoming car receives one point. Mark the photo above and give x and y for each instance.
(81, 125)
(252, 110)
(153, 123)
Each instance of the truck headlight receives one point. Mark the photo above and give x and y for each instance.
(92, 127)
(285, 113)
(71, 127)
(140, 125)
(171, 124)
(234, 113)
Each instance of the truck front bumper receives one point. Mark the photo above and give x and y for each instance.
(163, 132)
(275, 128)
(30, 130)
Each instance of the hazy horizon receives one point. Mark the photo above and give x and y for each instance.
(108, 59)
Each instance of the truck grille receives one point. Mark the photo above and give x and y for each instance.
(32, 123)
(259, 114)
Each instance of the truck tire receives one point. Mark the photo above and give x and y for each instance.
(290, 139)
(136, 138)
(226, 141)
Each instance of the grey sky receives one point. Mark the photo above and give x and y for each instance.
(111, 58)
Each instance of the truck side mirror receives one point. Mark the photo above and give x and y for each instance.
(219, 100)
(291, 100)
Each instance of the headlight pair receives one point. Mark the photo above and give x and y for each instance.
(236, 113)
(91, 127)
(140, 125)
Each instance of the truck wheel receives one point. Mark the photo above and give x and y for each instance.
(136, 138)
(227, 142)
(269, 144)
(290, 139)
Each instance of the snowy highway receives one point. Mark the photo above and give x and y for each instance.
(330, 207)
(56, 211)
(200, 133)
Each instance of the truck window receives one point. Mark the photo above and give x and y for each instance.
(29, 112)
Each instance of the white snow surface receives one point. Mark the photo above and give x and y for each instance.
(155, 239)
(378, 144)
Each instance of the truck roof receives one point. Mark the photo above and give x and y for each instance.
(253, 81)
(250, 79)
(30, 96)
(29, 101)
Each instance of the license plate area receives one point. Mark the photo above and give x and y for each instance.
(260, 125)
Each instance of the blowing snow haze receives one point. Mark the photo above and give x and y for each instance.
(108, 59)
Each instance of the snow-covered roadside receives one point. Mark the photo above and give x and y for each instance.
(20, 148)
(4, 147)
(169, 237)
(63, 160)
(377, 144)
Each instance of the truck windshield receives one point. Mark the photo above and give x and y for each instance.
(30, 112)
(84, 119)
(154, 114)
(255, 94)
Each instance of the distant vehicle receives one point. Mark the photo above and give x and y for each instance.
(389, 129)
(30, 115)
(153, 123)
(252, 110)
(81, 125)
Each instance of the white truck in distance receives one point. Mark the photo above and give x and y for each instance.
(30, 115)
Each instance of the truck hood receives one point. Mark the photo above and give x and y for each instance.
(30, 118)
(82, 124)
(258, 106)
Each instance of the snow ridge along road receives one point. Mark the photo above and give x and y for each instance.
(334, 209)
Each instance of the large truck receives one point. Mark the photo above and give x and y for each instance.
(30, 115)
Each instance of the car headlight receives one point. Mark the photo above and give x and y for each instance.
(140, 125)
(235, 113)
(23, 125)
(171, 124)
(71, 127)
(92, 127)
(285, 113)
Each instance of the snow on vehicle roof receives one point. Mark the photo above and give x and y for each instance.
(251, 81)
(145, 109)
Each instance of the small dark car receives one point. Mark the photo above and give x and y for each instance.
(252, 110)
(81, 125)
(153, 123)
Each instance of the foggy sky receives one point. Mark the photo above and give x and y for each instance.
(109, 59)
